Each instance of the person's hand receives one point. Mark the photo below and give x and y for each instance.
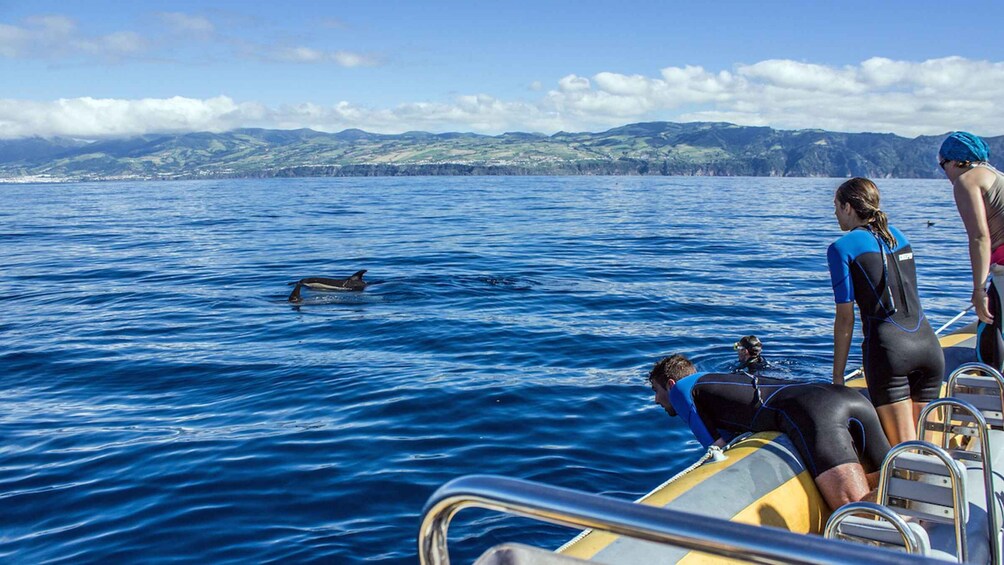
(981, 303)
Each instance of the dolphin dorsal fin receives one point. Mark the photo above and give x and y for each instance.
(358, 276)
(295, 295)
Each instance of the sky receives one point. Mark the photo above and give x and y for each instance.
(95, 69)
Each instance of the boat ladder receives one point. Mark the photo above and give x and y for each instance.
(924, 481)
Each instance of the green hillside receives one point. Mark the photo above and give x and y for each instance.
(657, 148)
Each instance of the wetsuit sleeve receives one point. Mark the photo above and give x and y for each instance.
(682, 399)
(840, 274)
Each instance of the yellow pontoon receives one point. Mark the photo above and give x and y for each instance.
(755, 500)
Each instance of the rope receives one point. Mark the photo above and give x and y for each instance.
(708, 455)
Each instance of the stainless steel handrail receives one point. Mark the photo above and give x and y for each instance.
(576, 509)
(959, 503)
(976, 370)
(910, 538)
(950, 406)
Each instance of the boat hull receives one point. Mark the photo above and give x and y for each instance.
(761, 481)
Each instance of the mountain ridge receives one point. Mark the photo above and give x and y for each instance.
(644, 148)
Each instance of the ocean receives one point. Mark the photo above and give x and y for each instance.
(163, 402)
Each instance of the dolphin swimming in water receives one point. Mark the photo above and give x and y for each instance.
(355, 282)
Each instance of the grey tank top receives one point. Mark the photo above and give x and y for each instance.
(993, 200)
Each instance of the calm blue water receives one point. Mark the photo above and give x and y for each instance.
(161, 401)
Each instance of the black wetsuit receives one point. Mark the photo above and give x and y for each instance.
(990, 337)
(755, 365)
(829, 424)
(900, 352)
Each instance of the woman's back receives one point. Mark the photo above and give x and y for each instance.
(993, 200)
(882, 281)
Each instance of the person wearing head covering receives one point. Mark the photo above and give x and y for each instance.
(750, 349)
(979, 195)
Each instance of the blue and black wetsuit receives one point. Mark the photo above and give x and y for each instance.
(900, 352)
(829, 424)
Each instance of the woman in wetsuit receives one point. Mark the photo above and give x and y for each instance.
(979, 196)
(873, 265)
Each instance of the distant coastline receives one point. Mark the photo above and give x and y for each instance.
(654, 148)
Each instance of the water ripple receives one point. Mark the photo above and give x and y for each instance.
(164, 400)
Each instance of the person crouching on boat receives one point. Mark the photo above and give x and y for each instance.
(873, 265)
(750, 352)
(828, 424)
(979, 196)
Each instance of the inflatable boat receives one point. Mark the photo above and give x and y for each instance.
(939, 499)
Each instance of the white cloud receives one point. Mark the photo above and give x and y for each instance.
(905, 97)
(57, 37)
(349, 59)
(796, 76)
(187, 24)
(53, 24)
(299, 55)
(573, 83)
(309, 55)
(119, 44)
(93, 117)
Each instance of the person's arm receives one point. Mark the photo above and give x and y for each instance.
(843, 296)
(843, 329)
(969, 201)
(689, 410)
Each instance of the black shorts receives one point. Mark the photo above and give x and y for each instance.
(901, 365)
(830, 425)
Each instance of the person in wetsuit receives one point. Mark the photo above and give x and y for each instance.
(834, 428)
(979, 196)
(750, 349)
(873, 265)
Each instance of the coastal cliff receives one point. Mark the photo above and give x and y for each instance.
(655, 148)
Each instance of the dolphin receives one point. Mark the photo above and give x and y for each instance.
(355, 282)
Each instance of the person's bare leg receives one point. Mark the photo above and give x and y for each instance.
(872, 496)
(872, 479)
(918, 407)
(842, 484)
(898, 421)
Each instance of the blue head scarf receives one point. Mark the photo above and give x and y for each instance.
(964, 146)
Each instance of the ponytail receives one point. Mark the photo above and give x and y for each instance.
(880, 223)
(863, 196)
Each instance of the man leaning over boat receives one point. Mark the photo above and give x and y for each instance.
(830, 425)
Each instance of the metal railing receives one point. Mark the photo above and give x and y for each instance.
(978, 427)
(575, 509)
(959, 504)
(910, 538)
(980, 371)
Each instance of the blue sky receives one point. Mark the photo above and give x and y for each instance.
(115, 68)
